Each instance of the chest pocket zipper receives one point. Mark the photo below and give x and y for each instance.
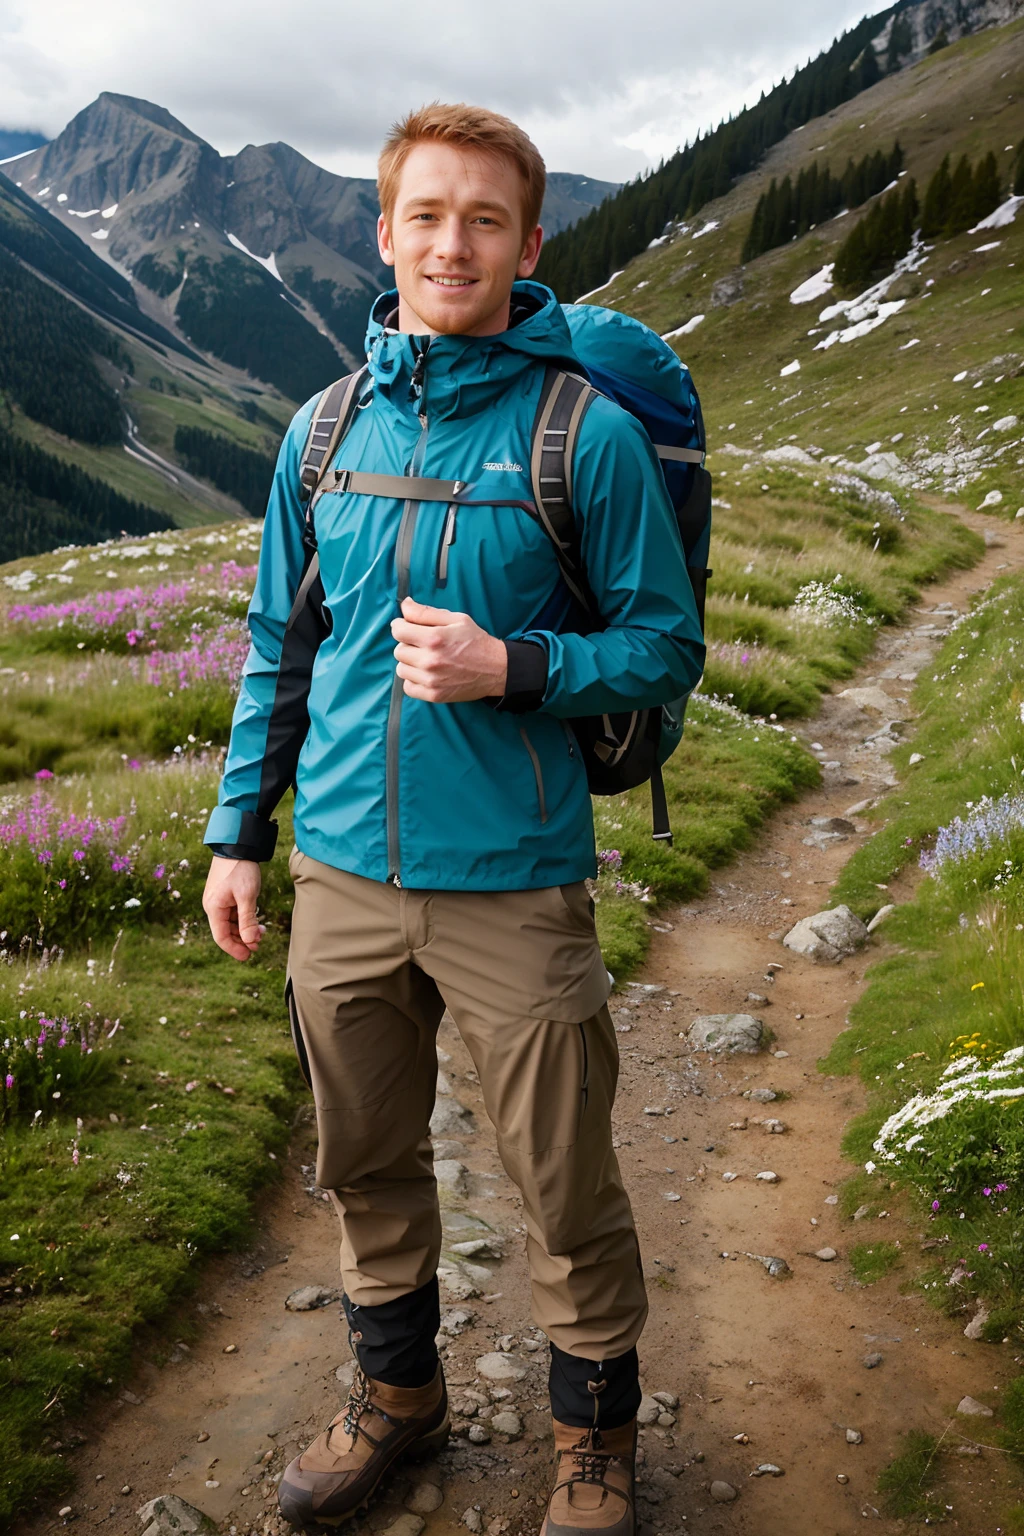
(447, 540)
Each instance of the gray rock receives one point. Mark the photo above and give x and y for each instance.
(767, 1177)
(450, 1118)
(775, 1266)
(448, 1148)
(461, 1280)
(666, 1419)
(424, 1498)
(881, 915)
(723, 1493)
(976, 1327)
(500, 1367)
(308, 1297)
(767, 1469)
(826, 1255)
(451, 1175)
(737, 1033)
(345, 1374)
(666, 1399)
(854, 1437)
(727, 290)
(492, 1247)
(874, 698)
(861, 1211)
(473, 1520)
(479, 1434)
(761, 1095)
(507, 1423)
(972, 1406)
(456, 1320)
(168, 1513)
(871, 1361)
(648, 1411)
(833, 824)
(827, 936)
(406, 1525)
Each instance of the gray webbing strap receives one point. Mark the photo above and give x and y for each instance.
(563, 403)
(356, 482)
(679, 455)
(329, 425)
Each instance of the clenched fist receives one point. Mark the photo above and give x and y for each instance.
(446, 658)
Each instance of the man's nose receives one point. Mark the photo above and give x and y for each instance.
(453, 243)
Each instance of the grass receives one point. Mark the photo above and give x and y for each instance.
(871, 1261)
(167, 1173)
(905, 1483)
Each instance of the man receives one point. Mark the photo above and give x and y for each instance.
(443, 825)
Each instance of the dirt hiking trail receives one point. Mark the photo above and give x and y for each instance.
(780, 1361)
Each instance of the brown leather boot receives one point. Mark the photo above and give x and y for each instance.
(594, 1481)
(339, 1472)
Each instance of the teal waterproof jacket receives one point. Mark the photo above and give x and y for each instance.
(481, 796)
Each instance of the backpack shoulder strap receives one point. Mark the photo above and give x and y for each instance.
(564, 400)
(331, 420)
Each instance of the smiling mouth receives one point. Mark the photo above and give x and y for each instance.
(452, 282)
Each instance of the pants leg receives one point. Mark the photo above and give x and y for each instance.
(366, 1018)
(522, 975)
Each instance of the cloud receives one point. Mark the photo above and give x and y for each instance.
(604, 88)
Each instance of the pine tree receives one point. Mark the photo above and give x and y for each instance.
(940, 40)
(937, 202)
(961, 198)
(988, 192)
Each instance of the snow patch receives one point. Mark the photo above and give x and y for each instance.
(793, 367)
(1003, 215)
(683, 330)
(815, 287)
(708, 227)
(86, 213)
(268, 263)
(915, 341)
(100, 234)
(861, 327)
(62, 197)
(993, 245)
(108, 213)
(589, 295)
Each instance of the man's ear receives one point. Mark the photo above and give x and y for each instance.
(531, 252)
(387, 254)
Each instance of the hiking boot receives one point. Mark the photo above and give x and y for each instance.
(593, 1489)
(338, 1473)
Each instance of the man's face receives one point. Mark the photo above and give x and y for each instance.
(456, 241)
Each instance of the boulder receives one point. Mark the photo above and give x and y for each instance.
(498, 1366)
(870, 698)
(828, 935)
(451, 1175)
(736, 1033)
(450, 1118)
(167, 1514)
(971, 1406)
(308, 1297)
(729, 290)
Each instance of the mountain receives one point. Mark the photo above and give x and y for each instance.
(214, 243)
(14, 142)
(917, 26)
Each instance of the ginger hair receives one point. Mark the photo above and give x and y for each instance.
(465, 127)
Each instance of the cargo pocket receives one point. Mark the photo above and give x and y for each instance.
(297, 1041)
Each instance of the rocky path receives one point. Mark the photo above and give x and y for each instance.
(753, 1369)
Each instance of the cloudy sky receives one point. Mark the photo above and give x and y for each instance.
(604, 88)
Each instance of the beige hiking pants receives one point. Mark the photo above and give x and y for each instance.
(371, 969)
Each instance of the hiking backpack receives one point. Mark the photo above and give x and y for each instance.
(630, 364)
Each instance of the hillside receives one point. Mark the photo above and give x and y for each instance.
(919, 379)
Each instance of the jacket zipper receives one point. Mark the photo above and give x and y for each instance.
(538, 775)
(403, 553)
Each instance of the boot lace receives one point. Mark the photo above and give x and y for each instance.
(590, 1461)
(358, 1402)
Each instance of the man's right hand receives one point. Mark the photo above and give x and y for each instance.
(229, 901)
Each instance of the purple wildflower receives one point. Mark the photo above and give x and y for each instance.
(43, 773)
(159, 872)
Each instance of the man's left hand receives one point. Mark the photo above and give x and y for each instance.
(446, 658)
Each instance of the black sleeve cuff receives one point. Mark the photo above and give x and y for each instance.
(257, 840)
(527, 678)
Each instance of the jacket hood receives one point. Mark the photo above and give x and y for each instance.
(461, 375)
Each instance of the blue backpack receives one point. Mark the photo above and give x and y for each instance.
(630, 364)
